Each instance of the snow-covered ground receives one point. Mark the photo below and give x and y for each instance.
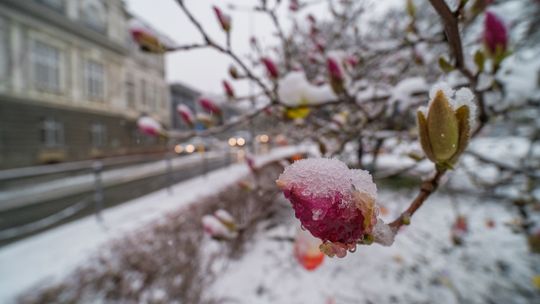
(423, 266)
(51, 255)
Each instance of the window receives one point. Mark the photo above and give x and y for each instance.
(94, 15)
(4, 52)
(98, 135)
(46, 67)
(130, 91)
(94, 79)
(57, 5)
(152, 98)
(52, 133)
(143, 94)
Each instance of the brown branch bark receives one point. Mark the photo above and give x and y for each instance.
(427, 188)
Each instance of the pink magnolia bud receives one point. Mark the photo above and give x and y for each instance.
(333, 202)
(306, 250)
(335, 74)
(186, 114)
(352, 60)
(495, 34)
(214, 227)
(334, 70)
(271, 67)
(229, 91)
(294, 5)
(149, 126)
(226, 219)
(147, 41)
(209, 106)
(224, 20)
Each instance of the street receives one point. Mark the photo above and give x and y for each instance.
(33, 204)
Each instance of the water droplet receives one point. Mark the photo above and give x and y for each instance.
(302, 227)
(317, 214)
(352, 249)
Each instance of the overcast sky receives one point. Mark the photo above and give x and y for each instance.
(204, 69)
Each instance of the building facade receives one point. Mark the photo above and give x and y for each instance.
(73, 83)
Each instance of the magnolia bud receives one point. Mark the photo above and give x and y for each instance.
(352, 61)
(495, 35)
(271, 67)
(226, 219)
(336, 75)
(218, 229)
(294, 5)
(333, 202)
(233, 72)
(147, 42)
(444, 127)
(229, 91)
(224, 20)
(149, 126)
(209, 106)
(186, 114)
(205, 119)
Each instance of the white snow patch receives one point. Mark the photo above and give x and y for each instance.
(294, 90)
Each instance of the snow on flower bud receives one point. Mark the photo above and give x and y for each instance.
(226, 219)
(495, 35)
(271, 67)
(205, 119)
(147, 42)
(333, 202)
(336, 75)
(149, 126)
(186, 114)
(445, 125)
(227, 87)
(214, 227)
(224, 20)
(209, 106)
(306, 250)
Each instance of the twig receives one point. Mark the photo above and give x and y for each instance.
(427, 188)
